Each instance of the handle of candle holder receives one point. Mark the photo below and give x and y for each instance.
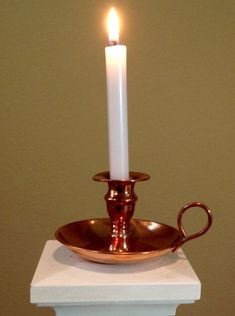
(120, 202)
(183, 233)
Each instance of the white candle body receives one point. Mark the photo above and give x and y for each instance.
(117, 112)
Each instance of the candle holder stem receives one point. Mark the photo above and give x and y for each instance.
(120, 201)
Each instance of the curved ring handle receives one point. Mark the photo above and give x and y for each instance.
(180, 222)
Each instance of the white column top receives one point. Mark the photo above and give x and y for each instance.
(64, 277)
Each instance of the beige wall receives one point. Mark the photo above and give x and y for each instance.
(54, 133)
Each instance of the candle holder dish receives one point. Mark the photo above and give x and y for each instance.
(121, 239)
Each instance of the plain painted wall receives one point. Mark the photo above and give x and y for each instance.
(54, 129)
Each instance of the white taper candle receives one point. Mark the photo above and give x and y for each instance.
(115, 56)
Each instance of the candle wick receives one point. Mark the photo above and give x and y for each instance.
(113, 42)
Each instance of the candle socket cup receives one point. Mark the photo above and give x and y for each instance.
(120, 202)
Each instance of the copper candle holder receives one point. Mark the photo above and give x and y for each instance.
(121, 239)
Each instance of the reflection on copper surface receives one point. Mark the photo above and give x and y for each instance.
(120, 202)
(121, 239)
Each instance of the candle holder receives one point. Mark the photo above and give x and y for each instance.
(121, 239)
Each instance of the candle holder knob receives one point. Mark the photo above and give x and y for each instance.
(120, 201)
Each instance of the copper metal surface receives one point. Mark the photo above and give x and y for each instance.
(121, 239)
(91, 239)
(180, 221)
(120, 202)
(146, 239)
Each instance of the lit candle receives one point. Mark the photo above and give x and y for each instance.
(115, 56)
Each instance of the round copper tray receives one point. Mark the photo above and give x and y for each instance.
(146, 239)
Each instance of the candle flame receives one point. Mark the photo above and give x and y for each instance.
(113, 27)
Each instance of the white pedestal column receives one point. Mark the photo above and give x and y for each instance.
(76, 287)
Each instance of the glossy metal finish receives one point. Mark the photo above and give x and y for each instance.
(91, 239)
(121, 239)
(134, 177)
(180, 221)
(146, 239)
(120, 201)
